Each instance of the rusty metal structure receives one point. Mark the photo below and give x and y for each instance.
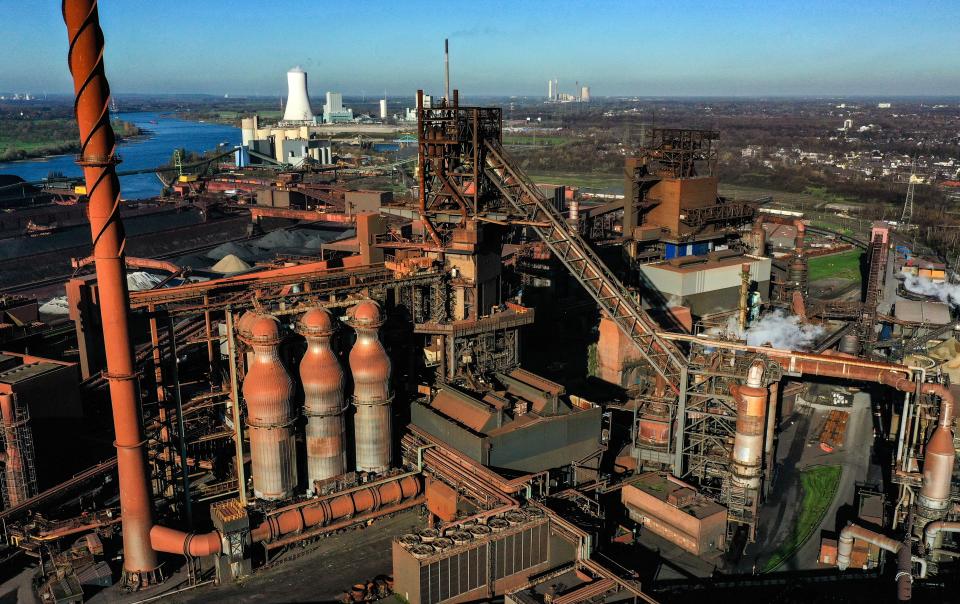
(205, 405)
(267, 390)
(98, 159)
(370, 367)
(323, 388)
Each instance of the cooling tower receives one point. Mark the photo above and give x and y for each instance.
(298, 102)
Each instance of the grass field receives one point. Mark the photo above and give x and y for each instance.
(530, 140)
(603, 183)
(837, 266)
(819, 487)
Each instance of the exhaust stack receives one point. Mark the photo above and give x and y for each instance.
(98, 160)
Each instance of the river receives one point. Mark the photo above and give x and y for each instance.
(166, 133)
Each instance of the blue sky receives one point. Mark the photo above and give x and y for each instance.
(711, 47)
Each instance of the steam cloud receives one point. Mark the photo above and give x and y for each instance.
(779, 330)
(945, 292)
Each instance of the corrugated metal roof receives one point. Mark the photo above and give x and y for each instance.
(918, 311)
(464, 409)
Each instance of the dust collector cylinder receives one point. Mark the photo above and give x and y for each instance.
(267, 389)
(322, 380)
(748, 442)
(370, 367)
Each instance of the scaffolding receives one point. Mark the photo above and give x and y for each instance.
(19, 478)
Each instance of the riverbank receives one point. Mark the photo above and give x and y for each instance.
(152, 145)
(22, 139)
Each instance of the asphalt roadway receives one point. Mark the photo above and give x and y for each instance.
(799, 449)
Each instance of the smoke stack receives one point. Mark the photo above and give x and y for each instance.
(744, 294)
(446, 69)
(298, 101)
(748, 441)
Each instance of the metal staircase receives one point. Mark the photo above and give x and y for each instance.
(577, 256)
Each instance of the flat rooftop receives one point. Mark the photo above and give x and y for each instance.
(661, 487)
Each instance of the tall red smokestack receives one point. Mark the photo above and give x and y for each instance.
(97, 158)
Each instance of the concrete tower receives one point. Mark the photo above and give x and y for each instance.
(298, 102)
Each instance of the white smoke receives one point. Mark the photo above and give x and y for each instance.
(776, 329)
(948, 293)
(780, 330)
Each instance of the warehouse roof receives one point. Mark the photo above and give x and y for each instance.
(932, 313)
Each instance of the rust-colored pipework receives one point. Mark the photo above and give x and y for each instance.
(295, 519)
(798, 242)
(370, 366)
(267, 388)
(325, 511)
(751, 422)
(845, 547)
(98, 160)
(322, 380)
(933, 530)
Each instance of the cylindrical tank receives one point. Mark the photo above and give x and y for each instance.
(370, 367)
(748, 442)
(758, 239)
(937, 470)
(267, 389)
(322, 380)
(248, 131)
(797, 273)
(850, 344)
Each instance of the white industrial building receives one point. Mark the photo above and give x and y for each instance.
(333, 110)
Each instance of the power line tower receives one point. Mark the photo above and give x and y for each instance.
(907, 216)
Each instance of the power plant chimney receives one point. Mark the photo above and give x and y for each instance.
(298, 101)
(446, 69)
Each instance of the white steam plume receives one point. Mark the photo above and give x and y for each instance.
(777, 329)
(945, 292)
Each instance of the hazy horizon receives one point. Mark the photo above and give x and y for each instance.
(690, 50)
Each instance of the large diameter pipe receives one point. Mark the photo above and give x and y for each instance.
(370, 366)
(268, 388)
(98, 160)
(845, 548)
(322, 380)
(853, 531)
(934, 529)
(294, 519)
(335, 508)
(751, 422)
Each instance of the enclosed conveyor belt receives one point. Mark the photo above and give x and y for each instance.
(575, 254)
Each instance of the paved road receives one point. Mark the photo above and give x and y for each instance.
(799, 449)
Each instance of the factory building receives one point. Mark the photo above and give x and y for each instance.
(333, 110)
